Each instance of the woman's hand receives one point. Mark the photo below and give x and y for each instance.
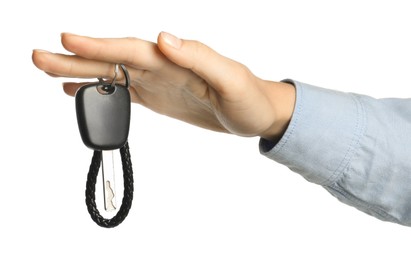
(182, 79)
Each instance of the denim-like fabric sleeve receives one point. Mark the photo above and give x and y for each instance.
(355, 146)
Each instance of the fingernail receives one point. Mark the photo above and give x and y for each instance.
(66, 33)
(171, 40)
(39, 50)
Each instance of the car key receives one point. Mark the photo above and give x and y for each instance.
(109, 190)
(103, 116)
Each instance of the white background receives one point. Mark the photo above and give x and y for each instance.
(198, 194)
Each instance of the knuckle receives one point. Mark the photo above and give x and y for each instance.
(241, 72)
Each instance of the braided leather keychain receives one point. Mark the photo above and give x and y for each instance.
(103, 116)
(128, 189)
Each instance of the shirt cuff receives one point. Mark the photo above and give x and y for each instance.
(322, 136)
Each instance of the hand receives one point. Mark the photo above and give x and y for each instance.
(182, 79)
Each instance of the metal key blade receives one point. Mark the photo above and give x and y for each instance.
(108, 181)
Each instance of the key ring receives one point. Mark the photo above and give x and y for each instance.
(113, 82)
(110, 87)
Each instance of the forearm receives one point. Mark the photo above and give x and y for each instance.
(355, 146)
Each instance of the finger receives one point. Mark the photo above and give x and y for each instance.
(130, 51)
(60, 65)
(70, 88)
(52, 75)
(70, 66)
(219, 71)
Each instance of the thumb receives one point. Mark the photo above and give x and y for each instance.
(216, 69)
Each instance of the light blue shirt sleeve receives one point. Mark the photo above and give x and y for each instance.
(355, 146)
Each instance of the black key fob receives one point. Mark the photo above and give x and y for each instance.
(103, 115)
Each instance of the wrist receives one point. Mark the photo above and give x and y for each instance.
(282, 99)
